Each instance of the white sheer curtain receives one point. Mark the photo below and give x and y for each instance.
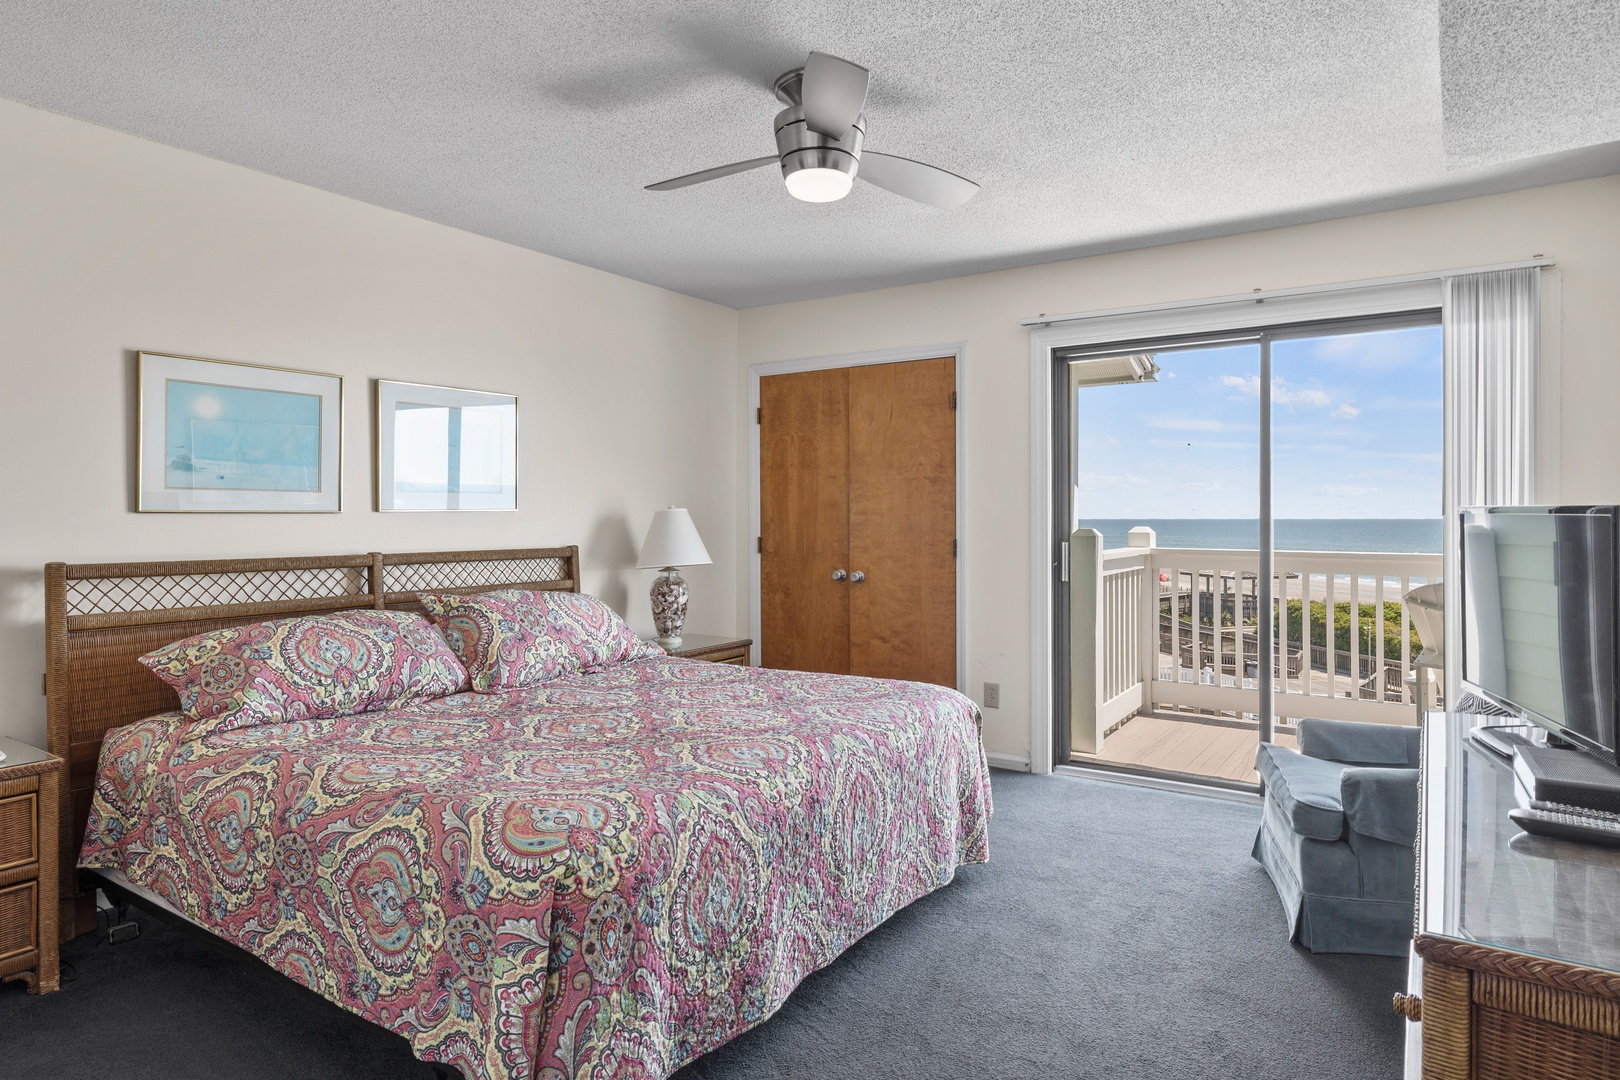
(1492, 325)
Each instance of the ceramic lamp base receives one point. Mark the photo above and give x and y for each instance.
(669, 607)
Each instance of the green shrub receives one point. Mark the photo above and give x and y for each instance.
(1367, 627)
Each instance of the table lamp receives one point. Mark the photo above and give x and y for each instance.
(672, 541)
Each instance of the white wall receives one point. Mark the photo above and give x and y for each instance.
(1578, 224)
(110, 244)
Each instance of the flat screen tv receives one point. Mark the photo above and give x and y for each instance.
(1539, 611)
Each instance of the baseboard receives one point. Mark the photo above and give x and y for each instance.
(1015, 762)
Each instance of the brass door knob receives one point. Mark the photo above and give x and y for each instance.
(1409, 1006)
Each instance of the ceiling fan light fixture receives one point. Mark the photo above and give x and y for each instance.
(819, 174)
(819, 185)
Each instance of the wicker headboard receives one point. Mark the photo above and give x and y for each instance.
(100, 617)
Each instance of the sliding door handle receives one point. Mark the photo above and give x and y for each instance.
(839, 575)
(857, 577)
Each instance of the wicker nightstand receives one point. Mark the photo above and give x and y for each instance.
(720, 650)
(30, 782)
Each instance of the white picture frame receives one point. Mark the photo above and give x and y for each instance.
(223, 437)
(441, 448)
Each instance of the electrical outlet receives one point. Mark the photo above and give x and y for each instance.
(992, 695)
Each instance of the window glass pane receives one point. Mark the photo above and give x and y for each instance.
(1356, 439)
(1179, 454)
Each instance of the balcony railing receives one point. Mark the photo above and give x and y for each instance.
(1177, 630)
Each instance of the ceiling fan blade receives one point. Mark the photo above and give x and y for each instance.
(914, 180)
(712, 174)
(834, 94)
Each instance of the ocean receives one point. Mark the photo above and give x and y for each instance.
(1420, 535)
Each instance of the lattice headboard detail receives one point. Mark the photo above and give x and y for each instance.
(100, 617)
(403, 576)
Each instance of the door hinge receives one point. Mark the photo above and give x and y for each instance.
(759, 415)
(953, 549)
(953, 401)
(45, 683)
(1065, 572)
(759, 545)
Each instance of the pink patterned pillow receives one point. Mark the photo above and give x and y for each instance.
(306, 668)
(513, 637)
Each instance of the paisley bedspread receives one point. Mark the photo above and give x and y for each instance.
(600, 877)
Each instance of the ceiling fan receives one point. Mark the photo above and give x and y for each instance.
(818, 143)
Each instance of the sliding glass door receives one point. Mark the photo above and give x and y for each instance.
(1357, 426)
(1244, 514)
(1165, 462)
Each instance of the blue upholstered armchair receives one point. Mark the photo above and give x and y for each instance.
(1337, 832)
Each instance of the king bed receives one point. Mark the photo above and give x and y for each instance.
(601, 874)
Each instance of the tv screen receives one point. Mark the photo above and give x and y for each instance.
(1539, 616)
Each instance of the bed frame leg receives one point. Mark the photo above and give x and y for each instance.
(124, 929)
(121, 927)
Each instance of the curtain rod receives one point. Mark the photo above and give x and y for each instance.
(1270, 294)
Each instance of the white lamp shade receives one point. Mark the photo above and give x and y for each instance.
(672, 540)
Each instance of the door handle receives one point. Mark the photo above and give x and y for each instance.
(857, 577)
(839, 575)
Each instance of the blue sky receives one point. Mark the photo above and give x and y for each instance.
(1356, 432)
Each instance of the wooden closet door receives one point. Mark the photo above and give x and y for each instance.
(902, 520)
(804, 520)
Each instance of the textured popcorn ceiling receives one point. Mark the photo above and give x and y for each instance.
(1521, 79)
(1092, 126)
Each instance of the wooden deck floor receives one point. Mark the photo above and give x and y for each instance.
(1192, 747)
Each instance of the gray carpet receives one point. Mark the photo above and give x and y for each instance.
(1118, 932)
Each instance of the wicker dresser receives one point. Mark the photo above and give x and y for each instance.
(29, 795)
(1517, 973)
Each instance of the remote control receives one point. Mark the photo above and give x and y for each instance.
(1570, 823)
(1579, 811)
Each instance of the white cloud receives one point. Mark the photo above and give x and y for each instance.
(1347, 411)
(1281, 392)
(1282, 395)
(1185, 423)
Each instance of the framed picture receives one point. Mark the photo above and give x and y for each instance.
(439, 448)
(222, 437)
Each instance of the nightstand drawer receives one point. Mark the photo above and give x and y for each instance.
(19, 818)
(18, 908)
(736, 658)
